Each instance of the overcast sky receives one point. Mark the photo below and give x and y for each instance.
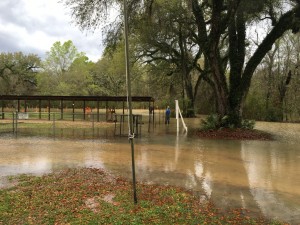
(32, 26)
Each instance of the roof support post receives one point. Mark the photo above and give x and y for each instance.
(40, 108)
(98, 119)
(49, 110)
(73, 110)
(18, 105)
(2, 109)
(61, 109)
(83, 109)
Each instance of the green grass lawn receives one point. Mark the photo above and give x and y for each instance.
(92, 196)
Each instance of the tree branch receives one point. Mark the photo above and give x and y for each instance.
(288, 21)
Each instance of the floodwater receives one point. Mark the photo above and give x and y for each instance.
(263, 176)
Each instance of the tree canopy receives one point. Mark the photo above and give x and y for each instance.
(183, 32)
(61, 56)
(17, 72)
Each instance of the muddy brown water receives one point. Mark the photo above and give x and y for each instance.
(263, 176)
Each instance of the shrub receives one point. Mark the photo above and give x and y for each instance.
(210, 123)
(248, 124)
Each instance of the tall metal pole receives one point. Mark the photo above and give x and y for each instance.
(129, 100)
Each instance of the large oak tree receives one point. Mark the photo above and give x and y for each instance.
(216, 18)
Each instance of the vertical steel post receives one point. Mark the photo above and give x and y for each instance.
(131, 135)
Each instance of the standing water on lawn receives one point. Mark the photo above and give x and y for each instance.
(263, 176)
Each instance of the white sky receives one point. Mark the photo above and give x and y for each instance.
(32, 26)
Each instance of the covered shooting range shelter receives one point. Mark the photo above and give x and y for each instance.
(74, 99)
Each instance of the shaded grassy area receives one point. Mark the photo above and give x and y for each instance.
(92, 196)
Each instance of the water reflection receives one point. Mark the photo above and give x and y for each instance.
(273, 174)
(259, 175)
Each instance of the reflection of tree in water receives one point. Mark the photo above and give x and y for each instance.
(223, 177)
(272, 175)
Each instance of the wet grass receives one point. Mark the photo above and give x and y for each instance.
(92, 196)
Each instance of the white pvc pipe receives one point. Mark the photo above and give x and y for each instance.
(177, 118)
(178, 113)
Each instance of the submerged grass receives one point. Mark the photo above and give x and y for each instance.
(92, 196)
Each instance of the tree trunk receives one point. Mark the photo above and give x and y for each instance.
(186, 73)
(213, 55)
(190, 109)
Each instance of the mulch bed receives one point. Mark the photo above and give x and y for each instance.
(234, 134)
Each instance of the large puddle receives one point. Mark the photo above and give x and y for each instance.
(263, 176)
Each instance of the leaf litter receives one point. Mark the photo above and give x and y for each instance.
(89, 195)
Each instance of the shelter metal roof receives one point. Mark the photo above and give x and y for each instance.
(77, 98)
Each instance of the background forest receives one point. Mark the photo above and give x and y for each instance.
(167, 65)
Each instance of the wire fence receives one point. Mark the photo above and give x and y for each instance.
(51, 124)
(83, 125)
(71, 125)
